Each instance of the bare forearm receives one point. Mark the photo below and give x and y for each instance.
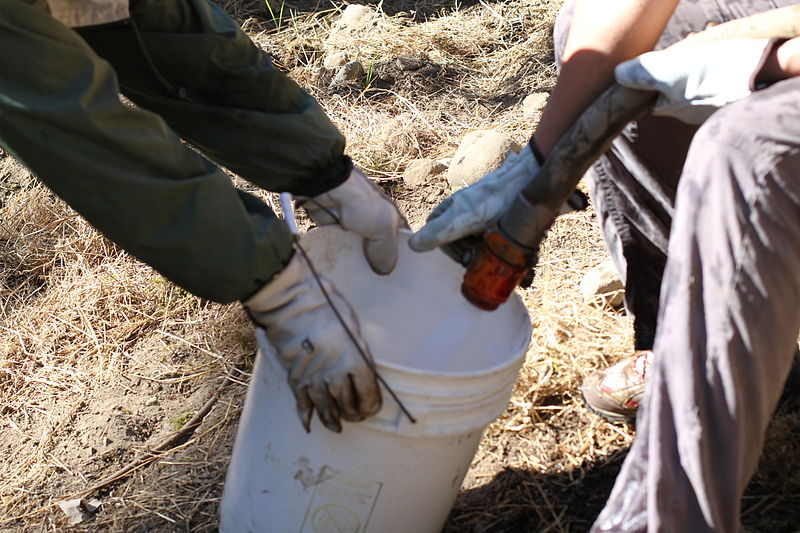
(602, 35)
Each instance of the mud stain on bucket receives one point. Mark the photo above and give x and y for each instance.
(308, 477)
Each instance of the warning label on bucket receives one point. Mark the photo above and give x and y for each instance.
(340, 504)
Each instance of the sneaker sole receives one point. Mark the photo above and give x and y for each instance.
(609, 415)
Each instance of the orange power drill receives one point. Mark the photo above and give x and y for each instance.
(505, 254)
(497, 262)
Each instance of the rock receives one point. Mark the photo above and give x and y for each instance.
(420, 171)
(357, 16)
(352, 71)
(602, 286)
(86, 452)
(356, 21)
(79, 510)
(479, 153)
(151, 401)
(408, 62)
(334, 60)
(534, 103)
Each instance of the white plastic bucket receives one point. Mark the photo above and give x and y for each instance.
(452, 365)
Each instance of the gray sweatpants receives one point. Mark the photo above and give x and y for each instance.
(704, 226)
(722, 222)
(633, 185)
(727, 324)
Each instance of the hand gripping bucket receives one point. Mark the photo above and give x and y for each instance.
(452, 365)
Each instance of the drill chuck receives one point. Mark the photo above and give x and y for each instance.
(499, 265)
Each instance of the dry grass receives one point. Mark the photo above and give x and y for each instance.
(101, 359)
(76, 313)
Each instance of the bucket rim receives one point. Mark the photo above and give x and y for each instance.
(520, 352)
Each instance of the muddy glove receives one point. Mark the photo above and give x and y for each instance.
(473, 209)
(326, 370)
(695, 81)
(360, 207)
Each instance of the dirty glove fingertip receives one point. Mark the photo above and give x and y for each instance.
(382, 254)
(422, 241)
(305, 408)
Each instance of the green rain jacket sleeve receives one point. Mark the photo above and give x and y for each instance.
(188, 61)
(123, 168)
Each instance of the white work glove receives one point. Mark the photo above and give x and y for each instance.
(326, 370)
(473, 209)
(695, 81)
(357, 205)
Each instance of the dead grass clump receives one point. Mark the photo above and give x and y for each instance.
(478, 63)
(75, 309)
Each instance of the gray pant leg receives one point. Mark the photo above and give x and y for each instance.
(728, 322)
(633, 185)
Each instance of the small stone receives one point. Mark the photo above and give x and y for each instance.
(408, 62)
(479, 153)
(87, 452)
(351, 71)
(151, 401)
(420, 171)
(534, 103)
(78, 510)
(335, 60)
(355, 16)
(602, 286)
(356, 21)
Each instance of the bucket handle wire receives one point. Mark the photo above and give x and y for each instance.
(288, 217)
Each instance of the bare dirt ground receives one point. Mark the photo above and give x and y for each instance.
(117, 386)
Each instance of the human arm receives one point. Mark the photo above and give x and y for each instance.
(602, 34)
(218, 90)
(133, 179)
(124, 170)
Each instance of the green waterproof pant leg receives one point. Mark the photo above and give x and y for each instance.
(123, 169)
(188, 61)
